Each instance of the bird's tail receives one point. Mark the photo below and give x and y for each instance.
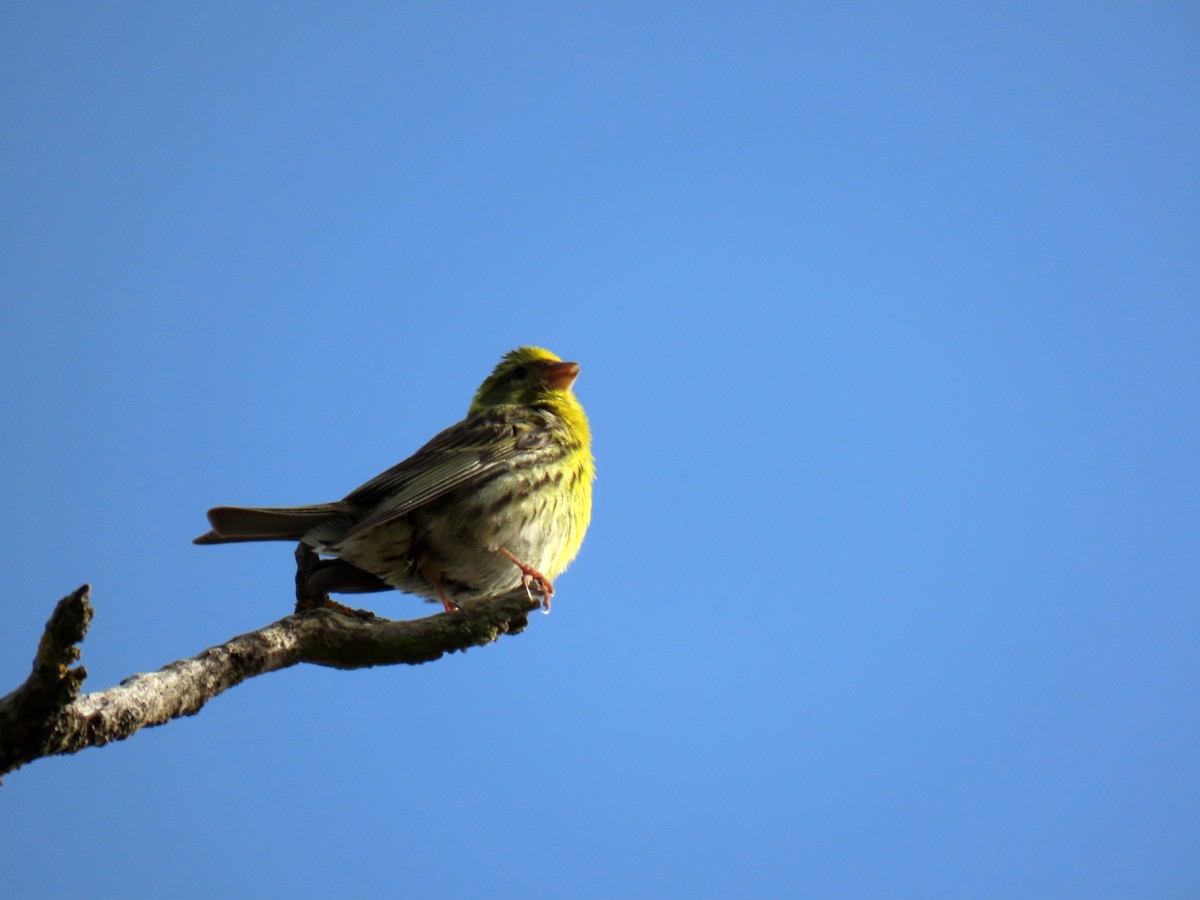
(231, 524)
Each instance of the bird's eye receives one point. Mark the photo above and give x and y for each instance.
(520, 372)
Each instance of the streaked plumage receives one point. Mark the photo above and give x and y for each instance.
(502, 498)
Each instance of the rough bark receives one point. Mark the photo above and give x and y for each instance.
(48, 715)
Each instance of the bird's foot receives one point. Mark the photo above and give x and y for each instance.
(531, 577)
(435, 578)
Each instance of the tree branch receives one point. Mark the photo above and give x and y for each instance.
(47, 715)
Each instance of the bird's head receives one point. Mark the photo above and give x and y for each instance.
(528, 376)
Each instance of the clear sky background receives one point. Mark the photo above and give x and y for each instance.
(889, 319)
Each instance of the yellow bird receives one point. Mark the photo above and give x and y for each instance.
(499, 500)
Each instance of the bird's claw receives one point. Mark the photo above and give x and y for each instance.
(545, 588)
(530, 577)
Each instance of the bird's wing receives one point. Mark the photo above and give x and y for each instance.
(468, 452)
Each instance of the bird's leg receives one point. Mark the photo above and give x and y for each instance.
(531, 576)
(435, 578)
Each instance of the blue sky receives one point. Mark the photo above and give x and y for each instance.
(888, 318)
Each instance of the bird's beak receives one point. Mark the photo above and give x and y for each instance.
(561, 375)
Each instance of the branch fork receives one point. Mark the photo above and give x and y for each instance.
(47, 715)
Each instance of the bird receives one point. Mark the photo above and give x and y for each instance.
(497, 501)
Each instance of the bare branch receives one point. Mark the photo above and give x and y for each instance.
(47, 715)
